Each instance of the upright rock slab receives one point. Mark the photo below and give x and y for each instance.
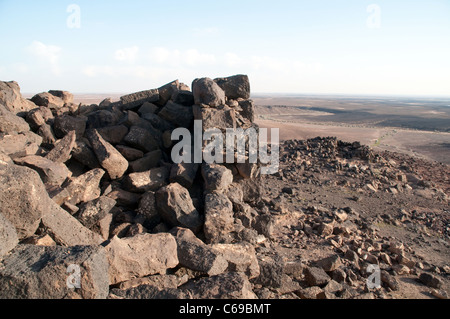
(38, 272)
(141, 255)
(219, 217)
(61, 153)
(109, 158)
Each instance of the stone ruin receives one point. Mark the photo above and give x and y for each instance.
(92, 205)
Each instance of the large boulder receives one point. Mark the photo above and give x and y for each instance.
(176, 208)
(235, 87)
(11, 98)
(48, 100)
(23, 198)
(8, 236)
(177, 114)
(50, 172)
(10, 123)
(190, 248)
(109, 158)
(219, 217)
(64, 124)
(66, 96)
(232, 285)
(137, 99)
(62, 151)
(38, 272)
(141, 255)
(141, 138)
(66, 230)
(216, 177)
(207, 92)
(240, 258)
(20, 145)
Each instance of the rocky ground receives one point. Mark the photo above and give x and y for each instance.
(343, 207)
(93, 206)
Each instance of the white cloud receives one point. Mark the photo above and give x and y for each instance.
(48, 54)
(127, 54)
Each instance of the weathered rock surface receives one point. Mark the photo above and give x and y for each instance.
(50, 172)
(219, 220)
(189, 250)
(11, 98)
(230, 285)
(8, 236)
(235, 87)
(23, 198)
(37, 272)
(61, 153)
(109, 158)
(141, 255)
(207, 92)
(150, 180)
(176, 208)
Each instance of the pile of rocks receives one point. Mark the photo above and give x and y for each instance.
(90, 193)
(359, 166)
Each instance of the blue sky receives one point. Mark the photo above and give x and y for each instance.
(324, 47)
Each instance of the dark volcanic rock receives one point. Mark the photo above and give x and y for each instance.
(36, 272)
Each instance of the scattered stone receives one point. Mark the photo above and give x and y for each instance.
(150, 180)
(309, 293)
(12, 99)
(315, 276)
(330, 263)
(430, 280)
